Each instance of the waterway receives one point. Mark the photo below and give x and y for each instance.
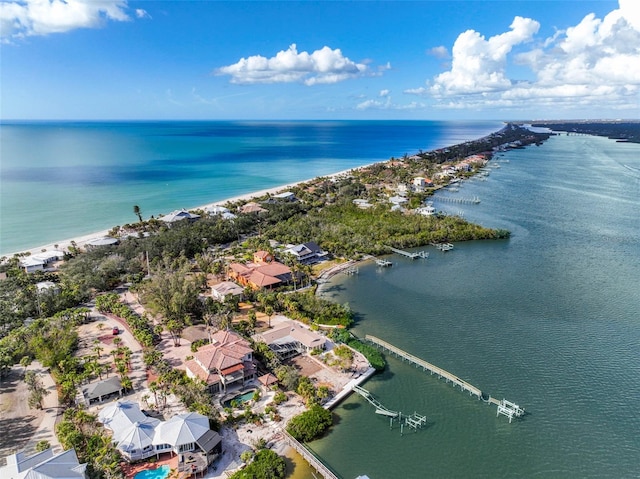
(549, 319)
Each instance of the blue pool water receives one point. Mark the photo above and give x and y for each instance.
(241, 398)
(160, 473)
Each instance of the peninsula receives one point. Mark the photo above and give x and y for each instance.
(164, 297)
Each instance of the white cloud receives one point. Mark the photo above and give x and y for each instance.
(384, 92)
(421, 91)
(140, 13)
(41, 17)
(439, 52)
(479, 64)
(595, 63)
(321, 66)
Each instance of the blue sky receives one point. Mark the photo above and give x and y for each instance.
(432, 59)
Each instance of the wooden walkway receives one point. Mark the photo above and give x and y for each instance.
(409, 254)
(309, 457)
(506, 408)
(455, 380)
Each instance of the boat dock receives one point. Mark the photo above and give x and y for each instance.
(506, 408)
(447, 199)
(409, 254)
(444, 247)
(414, 421)
(308, 456)
(384, 263)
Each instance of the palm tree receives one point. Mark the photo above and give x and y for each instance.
(136, 211)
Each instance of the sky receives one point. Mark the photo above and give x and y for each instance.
(291, 60)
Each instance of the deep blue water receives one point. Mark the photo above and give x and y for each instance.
(549, 319)
(60, 180)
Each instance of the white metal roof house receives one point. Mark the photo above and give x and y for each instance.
(139, 437)
(30, 264)
(179, 215)
(44, 465)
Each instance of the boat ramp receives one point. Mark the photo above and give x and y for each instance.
(506, 408)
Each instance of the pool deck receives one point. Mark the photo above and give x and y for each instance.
(130, 470)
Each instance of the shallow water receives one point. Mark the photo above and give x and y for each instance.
(60, 180)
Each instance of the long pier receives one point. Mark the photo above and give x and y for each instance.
(506, 408)
(449, 377)
(409, 254)
(447, 199)
(309, 457)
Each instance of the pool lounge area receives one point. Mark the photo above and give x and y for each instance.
(242, 396)
(161, 472)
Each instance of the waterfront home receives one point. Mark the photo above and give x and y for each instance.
(31, 265)
(100, 242)
(179, 215)
(285, 196)
(225, 290)
(427, 210)
(220, 211)
(290, 338)
(44, 465)
(263, 272)
(191, 438)
(48, 256)
(227, 361)
(139, 437)
(252, 207)
(307, 253)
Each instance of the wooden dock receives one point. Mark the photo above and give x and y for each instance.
(455, 380)
(506, 408)
(316, 463)
(409, 254)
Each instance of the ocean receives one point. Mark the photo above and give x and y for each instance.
(61, 180)
(548, 319)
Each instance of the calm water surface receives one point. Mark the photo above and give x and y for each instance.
(60, 180)
(549, 319)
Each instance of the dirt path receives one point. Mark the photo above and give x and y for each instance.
(22, 427)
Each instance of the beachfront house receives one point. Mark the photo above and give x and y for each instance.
(44, 465)
(290, 338)
(226, 362)
(179, 215)
(221, 211)
(252, 207)
(31, 265)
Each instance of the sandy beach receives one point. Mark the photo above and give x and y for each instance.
(80, 241)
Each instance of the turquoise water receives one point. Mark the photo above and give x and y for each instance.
(60, 180)
(549, 319)
(241, 398)
(160, 473)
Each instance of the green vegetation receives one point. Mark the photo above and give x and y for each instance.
(310, 424)
(265, 464)
(373, 355)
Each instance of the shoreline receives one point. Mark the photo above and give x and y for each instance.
(80, 241)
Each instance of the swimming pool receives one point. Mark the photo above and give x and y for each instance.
(160, 473)
(240, 398)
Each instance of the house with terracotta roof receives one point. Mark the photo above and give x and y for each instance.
(252, 207)
(263, 272)
(226, 362)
